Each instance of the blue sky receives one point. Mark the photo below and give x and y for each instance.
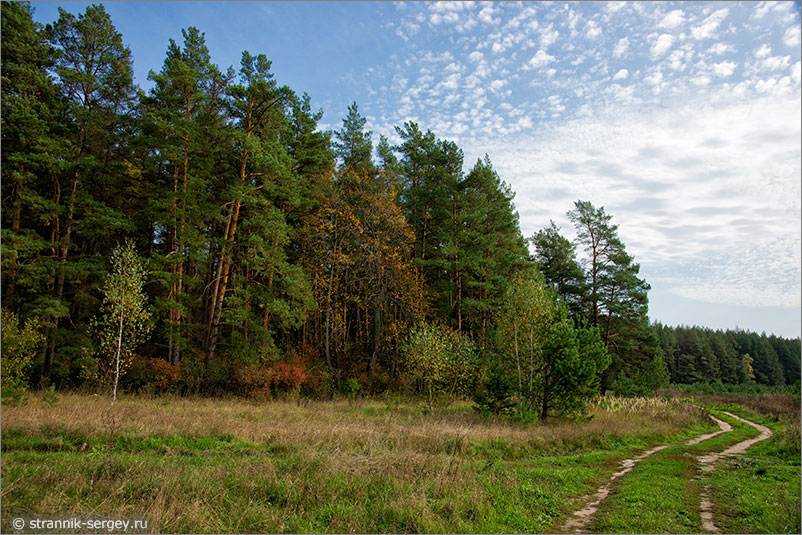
(682, 119)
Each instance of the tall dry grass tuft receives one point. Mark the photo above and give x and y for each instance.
(776, 405)
(360, 428)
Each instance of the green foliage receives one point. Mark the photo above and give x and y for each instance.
(350, 388)
(441, 359)
(353, 144)
(496, 391)
(124, 321)
(20, 342)
(259, 245)
(616, 302)
(556, 260)
(556, 366)
(701, 355)
(750, 388)
(50, 396)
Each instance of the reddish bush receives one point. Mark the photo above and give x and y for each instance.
(163, 375)
(252, 381)
(264, 381)
(283, 377)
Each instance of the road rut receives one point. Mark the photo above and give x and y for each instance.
(706, 464)
(582, 518)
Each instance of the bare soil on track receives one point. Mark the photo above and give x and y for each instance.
(580, 519)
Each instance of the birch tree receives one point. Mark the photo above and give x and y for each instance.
(124, 321)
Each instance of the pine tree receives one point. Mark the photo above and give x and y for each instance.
(431, 197)
(492, 249)
(557, 366)
(618, 302)
(33, 124)
(556, 259)
(767, 367)
(184, 110)
(353, 145)
(95, 76)
(259, 108)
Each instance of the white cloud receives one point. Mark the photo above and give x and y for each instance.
(763, 51)
(495, 85)
(486, 15)
(593, 30)
(451, 82)
(700, 80)
(761, 9)
(620, 75)
(706, 196)
(540, 59)
(621, 47)
(655, 79)
(724, 69)
(774, 63)
(681, 120)
(707, 28)
(451, 17)
(548, 36)
(476, 56)
(661, 45)
(720, 48)
(445, 7)
(524, 123)
(677, 59)
(673, 19)
(573, 19)
(792, 36)
(466, 26)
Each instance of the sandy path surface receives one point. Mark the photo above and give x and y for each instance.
(582, 518)
(706, 464)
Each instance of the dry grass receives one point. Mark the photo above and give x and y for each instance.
(776, 405)
(361, 466)
(362, 425)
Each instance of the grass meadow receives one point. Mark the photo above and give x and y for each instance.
(377, 466)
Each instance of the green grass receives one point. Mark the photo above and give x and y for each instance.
(208, 485)
(758, 493)
(654, 498)
(196, 465)
(661, 494)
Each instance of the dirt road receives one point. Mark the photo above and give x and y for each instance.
(580, 520)
(707, 464)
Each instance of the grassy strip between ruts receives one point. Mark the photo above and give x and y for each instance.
(377, 470)
(759, 492)
(661, 495)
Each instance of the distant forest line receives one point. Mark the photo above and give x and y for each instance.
(274, 256)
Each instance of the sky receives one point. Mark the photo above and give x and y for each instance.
(681, 119)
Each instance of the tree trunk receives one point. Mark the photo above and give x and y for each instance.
(544, 410)
(517, 359)
(117, 359)
(377, 330)
(431, 403)
(226, 261)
